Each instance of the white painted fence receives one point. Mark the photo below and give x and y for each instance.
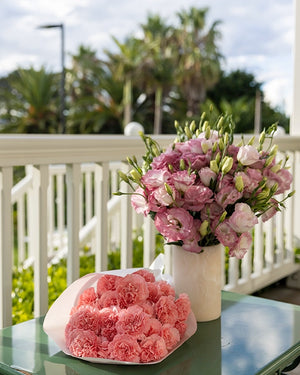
(64, 202)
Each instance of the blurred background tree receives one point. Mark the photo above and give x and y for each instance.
(168, 72)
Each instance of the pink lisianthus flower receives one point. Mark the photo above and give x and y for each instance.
(162, 197)
(242, 246)
(139, 202)
(171, 336)
(228, 195)
(270, 212)
(182, 180)
(155, 178)
(153, 348)
(132, 289)
(226, 234)
(191, 243)
(242, 219)
(166, 311)
(285, 180)
(196, 197)
(248, 155)
(174, 224)
(169, 157)
(124, 348)
(207, 175)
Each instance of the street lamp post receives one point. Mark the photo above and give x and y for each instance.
(62, 80)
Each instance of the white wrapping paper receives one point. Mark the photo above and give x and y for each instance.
(59, 314)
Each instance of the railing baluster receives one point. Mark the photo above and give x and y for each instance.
(149, 241)
(101, 199)
(73, 177)
(269, 227)
(21, 229)
(6, 248)
(126, 228)
(41, 233)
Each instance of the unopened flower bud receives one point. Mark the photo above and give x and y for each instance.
(207, 132)
(276, 168)
(220, 123)
(188, 132)
(251, 140)
(227, 165)
(214, 147)
(192, 126)
(239, 183)
(203, 228)
(204, 147)
(223, 217)
(169, 189)
(274, 150)
(269, 160)
(262, 137)
(214, 166)
(123, 176)
(226, 138)
(182, 165)
(221, 144)
(135, 175)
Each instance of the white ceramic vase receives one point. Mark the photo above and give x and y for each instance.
(199, 275)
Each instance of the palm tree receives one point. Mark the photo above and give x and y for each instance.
(198, 57)
(157, 68)
(124, 68)
(32, 102)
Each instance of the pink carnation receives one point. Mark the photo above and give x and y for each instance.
(107, 282)
(83, 343)
(132, 289)
(166, 311)
(165, 288)
(108, 319)
(154, 327)
(183, 306)
(171, 336)
(124, 348)
(86, 318)
(133, 321)
(87, 297)
(181, 326)
(146, 274)
(108, 299)
(153, 348)
(154, 292)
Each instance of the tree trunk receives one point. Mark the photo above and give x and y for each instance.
(127, 101)
(158, 111)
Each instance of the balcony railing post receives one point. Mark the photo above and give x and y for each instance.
(6, 247)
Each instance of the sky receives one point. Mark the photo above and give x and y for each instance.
(257, 35)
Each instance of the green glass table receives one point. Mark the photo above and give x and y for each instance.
(253, 336)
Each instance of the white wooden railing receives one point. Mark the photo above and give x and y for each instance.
(65, 202)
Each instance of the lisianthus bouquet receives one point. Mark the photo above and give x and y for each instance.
(131, 318)
(204, 190)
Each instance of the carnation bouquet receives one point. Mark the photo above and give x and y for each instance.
(204, 190)
(120, 317)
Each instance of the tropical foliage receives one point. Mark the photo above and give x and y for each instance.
(164, 71)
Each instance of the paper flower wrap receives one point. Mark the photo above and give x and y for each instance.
(120, 317)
